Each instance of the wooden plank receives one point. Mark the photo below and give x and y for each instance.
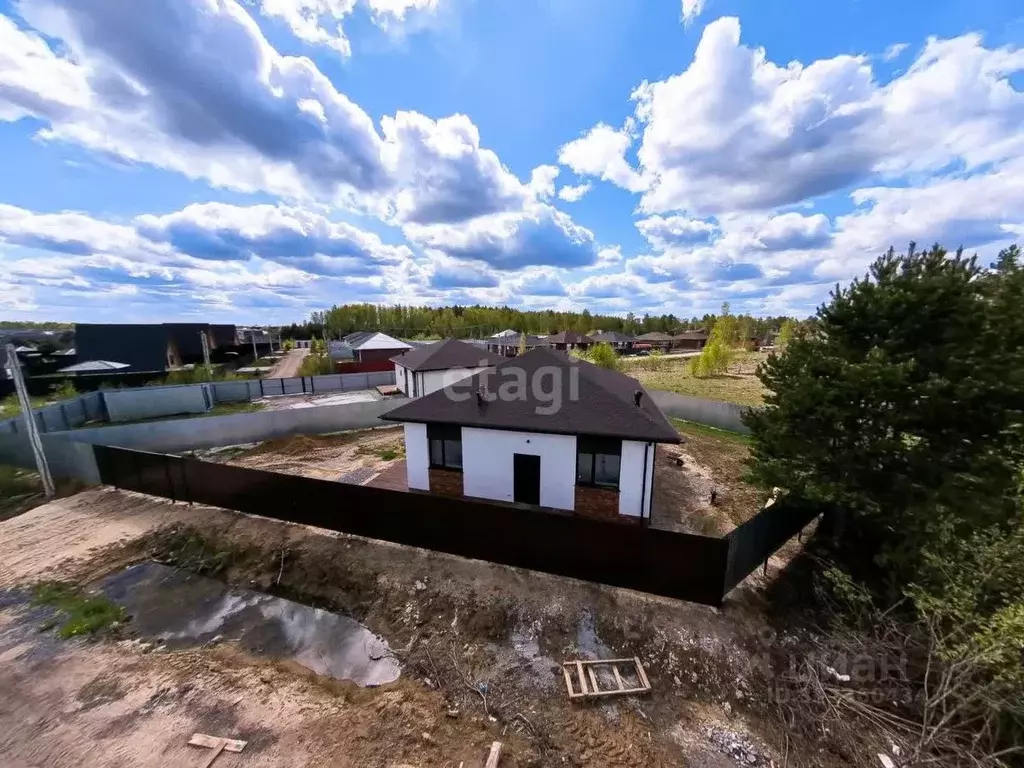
(607, 661)
(583, 679)
(641, 674)
(593, 681)
(618, 677)
(494, 755)
(216, 753)
(568, 683)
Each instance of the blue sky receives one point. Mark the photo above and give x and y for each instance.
(254, 161)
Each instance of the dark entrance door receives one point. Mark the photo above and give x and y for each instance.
(526, 478)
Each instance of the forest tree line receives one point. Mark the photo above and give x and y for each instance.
(475, 322)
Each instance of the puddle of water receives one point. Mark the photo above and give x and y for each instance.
(184, 610)
(588, 642)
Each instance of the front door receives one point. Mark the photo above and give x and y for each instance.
(526, 478)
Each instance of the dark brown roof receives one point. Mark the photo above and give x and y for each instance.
(691, 335)
(654, 336)
(568, 337)
(594, 401)
(611, 336)
(443, 355)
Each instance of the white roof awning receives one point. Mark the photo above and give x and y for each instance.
(94, 366)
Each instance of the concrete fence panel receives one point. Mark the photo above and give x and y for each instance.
(156, 402)
(180, 435)
(67, 458)
(712, 413)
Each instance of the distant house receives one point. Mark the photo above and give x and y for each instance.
(654, 340)
(508, 346)
(507, 332)
(690, 340)
(141, 347)
(370, 345)
(566, 340)
(618, 341)
(432, 367)
(577, 437)
(152, 347)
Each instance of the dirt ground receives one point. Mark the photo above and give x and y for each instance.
(685, 476)
(288, 365)
(480, 644)
(351, 457)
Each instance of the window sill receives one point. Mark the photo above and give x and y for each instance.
(447, 469)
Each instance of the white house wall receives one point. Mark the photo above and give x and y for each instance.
(487, 464)
(400, 372)
(417, 456)
(634, 487)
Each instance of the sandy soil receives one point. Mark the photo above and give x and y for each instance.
(288, 365)
(53, 536)
(351, 457)
(685, 477)
(459, 624)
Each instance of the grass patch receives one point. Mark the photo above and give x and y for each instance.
(692, 428)
(18, 489)
(78, 613)
(739, 385)
(388, 452)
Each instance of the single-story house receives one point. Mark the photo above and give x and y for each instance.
(508, 346)
(618, 341)
(370, 346)
(542, 429)
(566, 340)
(432, 367)
(654, 340)
(690, 340)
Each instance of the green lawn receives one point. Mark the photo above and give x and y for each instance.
(693, 429)
(738, 386)
(10, 406)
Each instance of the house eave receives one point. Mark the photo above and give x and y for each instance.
(509, 428)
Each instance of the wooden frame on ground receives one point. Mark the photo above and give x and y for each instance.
(586, 676)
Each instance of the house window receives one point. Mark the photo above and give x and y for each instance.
(598, 462)
(445, 446)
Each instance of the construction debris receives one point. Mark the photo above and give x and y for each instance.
(494, 755)
(587, 671)
(217, 743)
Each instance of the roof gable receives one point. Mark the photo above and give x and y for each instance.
(374, 340)
(545, 391)
(445, 355)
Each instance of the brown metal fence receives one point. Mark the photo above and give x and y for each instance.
(701, 569)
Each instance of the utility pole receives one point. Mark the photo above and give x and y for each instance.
(255, 354)
(30, 421)
(206, 351)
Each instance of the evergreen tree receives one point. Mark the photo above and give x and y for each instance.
(904, 406)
